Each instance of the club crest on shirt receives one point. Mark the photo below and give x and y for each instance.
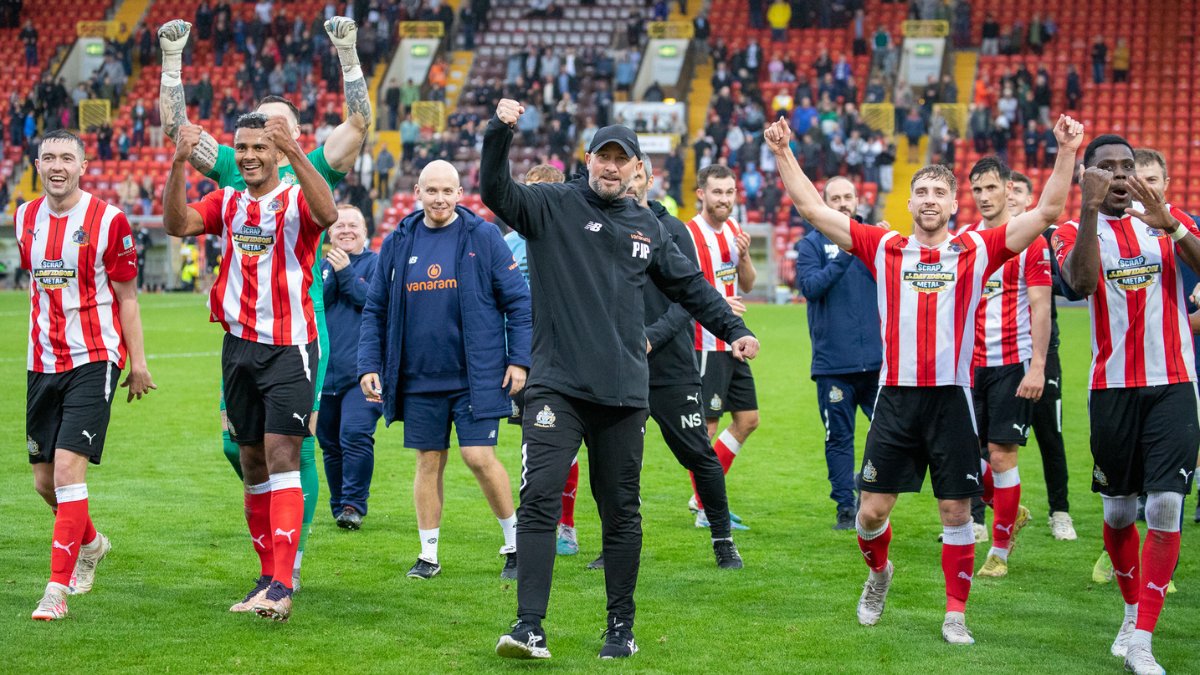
(53, 275)
(274, 206)
(928, 278)
(715, 403)
(32, 445)
(869, 473)
(1156, 233)
(1132, 274)
(545, 418)
(836, 395)
(955, 247)
(250, 240)
(1099, 476)
(80, 237)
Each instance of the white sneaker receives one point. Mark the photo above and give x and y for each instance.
(954, 629)
(1062, 527)
(1121, 644)
(85, 566)
(1140, 661)
(53, 605)
(693, 506)
(981, 533)
(874, 596)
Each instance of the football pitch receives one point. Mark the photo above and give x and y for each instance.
(173, 508)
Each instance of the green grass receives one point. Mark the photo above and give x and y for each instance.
(173, 508)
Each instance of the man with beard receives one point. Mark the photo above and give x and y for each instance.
(929, 287)
(591, 252)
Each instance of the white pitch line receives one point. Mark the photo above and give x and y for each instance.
(169, 355)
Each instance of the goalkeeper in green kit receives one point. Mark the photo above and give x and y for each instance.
(332, 160)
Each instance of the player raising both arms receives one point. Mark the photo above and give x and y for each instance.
(332, 161)
(84, 322)
(929, 287)
(1124, 255)
(269, 238)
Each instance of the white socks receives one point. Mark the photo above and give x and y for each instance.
(509, 527)
(429, 544)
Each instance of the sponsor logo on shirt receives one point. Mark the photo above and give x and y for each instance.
(640, 237)
(928, 278)
(250, 240)
(992, 287)
(1132, 274)
(434, 271)
(593, 226)
(434, 283)
(53, 275)
(727, 274)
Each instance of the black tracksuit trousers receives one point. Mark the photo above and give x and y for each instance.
(676, 408)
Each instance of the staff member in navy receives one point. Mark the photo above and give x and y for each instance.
(847, 351)
(346, 429)
(591, 251)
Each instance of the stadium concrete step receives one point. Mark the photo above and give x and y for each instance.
(456, 78)
(129, 13)
(896, 209)
(965, 64)
(698, 99)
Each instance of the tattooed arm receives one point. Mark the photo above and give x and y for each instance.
(345, 143)
(172, 38)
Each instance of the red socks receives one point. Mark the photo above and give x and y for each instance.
(875, 549)
(287, 517)
(1006, 499)
(258, 518)
(1159, 556)
(568, 495)
(989, 482)
(70, 524)
(726, 447)
(1122, 546)
(958, 565)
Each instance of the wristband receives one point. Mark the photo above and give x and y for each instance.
(352, 73)
(1180, 232)
(172, 60)
(170, 78)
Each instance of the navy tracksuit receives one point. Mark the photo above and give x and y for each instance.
(843, 323)
(346, 425)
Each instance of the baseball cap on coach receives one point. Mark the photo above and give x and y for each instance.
(619, 134)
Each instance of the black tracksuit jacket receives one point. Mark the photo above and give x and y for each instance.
(668, 325)
(589, 260)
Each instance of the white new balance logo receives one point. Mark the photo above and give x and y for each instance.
(1162, 590)
(1127, 575)
(65, 547)
(91, 436)
(281, 533)
(964, 575)
(974, 477)
(258, 541)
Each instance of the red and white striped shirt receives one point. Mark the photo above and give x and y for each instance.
(268, 247)
(1140, 331)
(717, 255)
(1003, 328)
(928, 297)
(72, 258)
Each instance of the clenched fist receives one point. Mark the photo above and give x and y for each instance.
(778, 135)
(185, 141)
(1094, 183)
(173, 36)
(279, 132)
(342, 31)
(1069, 134)
(509, 111)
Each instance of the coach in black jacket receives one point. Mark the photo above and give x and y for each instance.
(590, 252)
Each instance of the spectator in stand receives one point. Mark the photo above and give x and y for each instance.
(1032, 141)
(914, 130)
(842, 71)
(1007, 105)
(991, 36)
(902, 101)
(1001, 134)
(1016, 39)
(876, 92)
(674, 169)
(809, 154)
(701, 30)
(29, 37)
(127, 194)
(1042, 98)
(721, 77)
(823, 65)
(1051, 143)
(881, 44)
(930, 95)
(659, 11)
(949, 90)
(856, 153)
(835, 155)
(779, 16)
(1099, 59)
(104, 137)
(961, 21)
(758, 13)
(1120, 61)
(123, 145)
(752, 184)
(410, 93)
(782, 104)
(885, 161)
(1037, 34)
(1027, 108)
(229, 111)
(1074, 88)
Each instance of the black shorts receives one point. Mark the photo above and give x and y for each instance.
(1002, 416)
(1144, 439)
(269, 389)
(518, 405)
(69, 410)
(725, 384)
(919, 428)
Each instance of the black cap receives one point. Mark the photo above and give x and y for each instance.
(619, 134)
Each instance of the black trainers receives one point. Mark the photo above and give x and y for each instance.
(845, 520)
(423, 569)
(524, 641)
(598, 563)
(727, 554)
(618, 640)
(349, 518)
(510, 566)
